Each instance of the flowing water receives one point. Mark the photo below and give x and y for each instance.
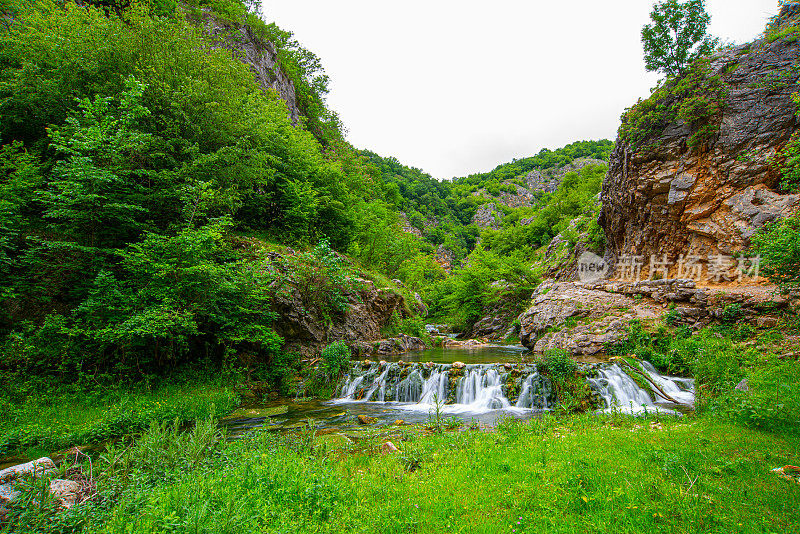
(621, 393)
(479, 384)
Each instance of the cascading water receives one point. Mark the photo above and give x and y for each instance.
(621, 393)
(477, 388)
(484, 388)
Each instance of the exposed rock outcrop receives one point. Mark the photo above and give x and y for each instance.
(367, 310)
(399, 344)
(487, 216)
(548, 180)
(583, 318)
(260, 55)
(670, 198)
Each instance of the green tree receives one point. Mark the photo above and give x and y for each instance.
(779, 247)
(677, 36)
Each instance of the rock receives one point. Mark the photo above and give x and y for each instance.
(743, 386)
(7, 493)
(542, 325)
(389, 447)
(548, 180)
(37, 468)
(789, 473)
(486, 216)
(767, 322)
(420, 305)
(307, 331)
(366, 420)
(257, 53)
(665, 197)
(399, 422)
(8, 476)
(459, 365)
(67, 491)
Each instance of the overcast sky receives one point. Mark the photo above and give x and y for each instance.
(459, 86)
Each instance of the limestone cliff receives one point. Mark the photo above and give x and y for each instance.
(672, 198)
(259, 54)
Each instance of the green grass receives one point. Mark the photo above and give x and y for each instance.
(46, 422)
(587, 474)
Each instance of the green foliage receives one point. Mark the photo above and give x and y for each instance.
(788, 158)
(322, 279)
(718, 363)
(677, 36)
(134, 153)
(335, 360)
(46, 416)
(558, 365)
(695, 98)
(486, 278)
(778, 244)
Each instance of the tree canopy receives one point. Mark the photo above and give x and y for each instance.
(677, 36)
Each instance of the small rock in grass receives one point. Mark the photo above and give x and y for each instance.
(67, 491)
(399, 422)
(743, 385)
(789, 473)
(366, 420)
(389, 447)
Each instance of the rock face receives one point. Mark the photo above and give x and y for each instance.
(368, 310)
(571, 317)
(386, 347)
(260, 55)
(711, 199)
(487, 216)
(548, 180)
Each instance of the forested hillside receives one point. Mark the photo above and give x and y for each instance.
(146, 170)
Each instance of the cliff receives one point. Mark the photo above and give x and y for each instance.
(259, 54)
(666, 196)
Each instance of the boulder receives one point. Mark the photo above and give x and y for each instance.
(389, 447)
(37, 468)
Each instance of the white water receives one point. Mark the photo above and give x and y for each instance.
(478, 391)
(622, 394)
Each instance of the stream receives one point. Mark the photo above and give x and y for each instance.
(480, 384)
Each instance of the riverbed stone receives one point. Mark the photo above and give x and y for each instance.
(366, 420)
(37, 468)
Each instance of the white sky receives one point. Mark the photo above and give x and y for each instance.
(459, 86)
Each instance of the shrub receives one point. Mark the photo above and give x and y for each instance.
(335, 360)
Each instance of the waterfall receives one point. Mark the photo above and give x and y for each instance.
(483, 388)
(477, 388)
(621, 393)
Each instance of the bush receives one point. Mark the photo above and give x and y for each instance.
(335, 360)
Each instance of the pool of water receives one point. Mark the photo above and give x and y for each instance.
(477, 354)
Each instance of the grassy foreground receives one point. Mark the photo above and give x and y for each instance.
(45, 419)
(579, 474)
